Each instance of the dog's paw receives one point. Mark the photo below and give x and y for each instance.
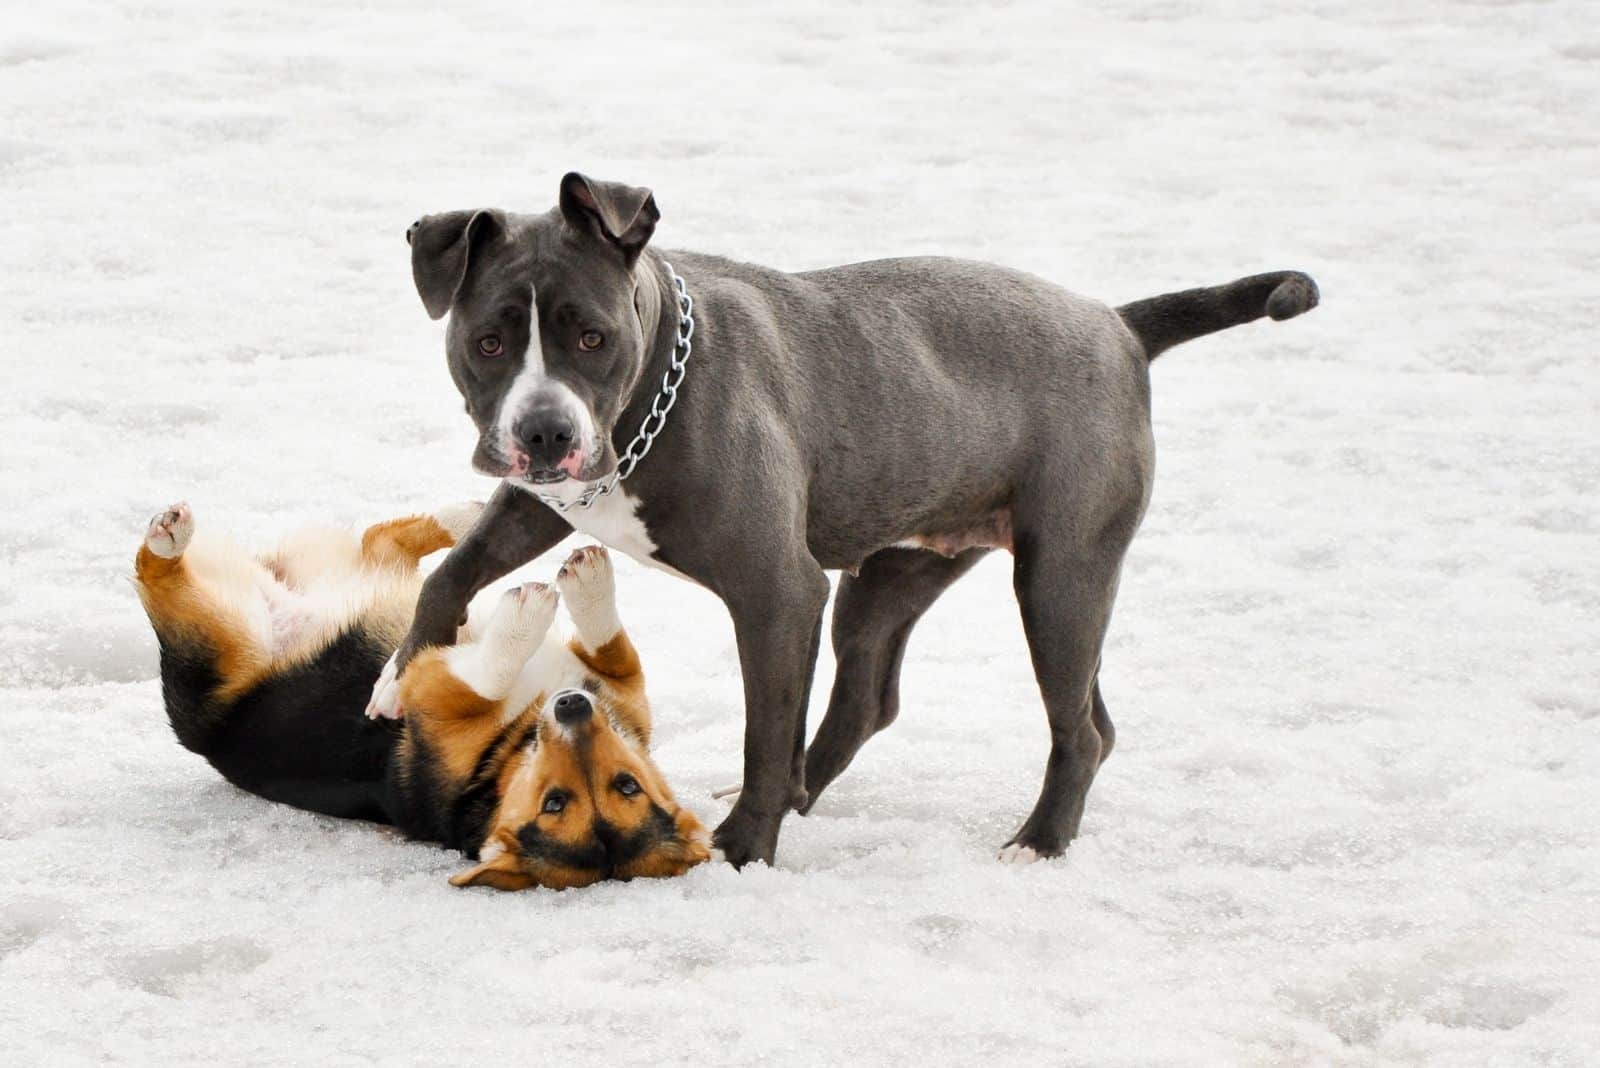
(169, 533)
(746, 837)
(522, 618)
(586, 576)
(1018, 856)
(518, 626)
(589, 586)
(457, 519)
(385, 700)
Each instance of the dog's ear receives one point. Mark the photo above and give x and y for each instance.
(622, 215)
(676, 855)
(503, 871)
(441, 246)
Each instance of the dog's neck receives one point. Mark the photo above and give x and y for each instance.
(656, 300)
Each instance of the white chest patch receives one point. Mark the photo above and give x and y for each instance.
(552, 667)
(613, 521)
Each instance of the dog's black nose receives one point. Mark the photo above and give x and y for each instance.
(573, 707)
(546, 435)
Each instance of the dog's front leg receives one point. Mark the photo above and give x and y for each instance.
(513, 529)
(777, 622)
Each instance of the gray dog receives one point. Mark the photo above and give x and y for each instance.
(895, 420)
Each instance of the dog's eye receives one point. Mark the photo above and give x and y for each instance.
(554, 802)
(590, 340)
(489, 345)
(627, 785)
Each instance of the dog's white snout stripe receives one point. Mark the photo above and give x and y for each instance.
(533, 387)
(529, 378)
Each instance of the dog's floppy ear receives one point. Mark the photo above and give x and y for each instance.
(623, 215)
(441, 246)
(503, 871)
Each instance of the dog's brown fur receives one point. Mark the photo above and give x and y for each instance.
(241, 636)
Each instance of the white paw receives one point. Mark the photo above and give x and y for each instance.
(727, 791)
(169, 532)
(718, 856)
(458, 518)
(518, 626)
(589, 586)
(1018, 855)
(385, 701)
(522, 618)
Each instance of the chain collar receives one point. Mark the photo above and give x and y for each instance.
(655, 420)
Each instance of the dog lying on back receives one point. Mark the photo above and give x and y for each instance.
(525, 751)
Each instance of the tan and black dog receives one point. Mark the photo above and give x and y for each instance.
(524, 750)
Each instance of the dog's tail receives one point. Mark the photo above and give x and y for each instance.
(1173, 318)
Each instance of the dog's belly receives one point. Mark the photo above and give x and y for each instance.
(992, 531)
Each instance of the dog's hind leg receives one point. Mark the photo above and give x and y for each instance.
(210, 623)
(404, 542)
(203, 601)
(873, 614)
(1066, 580)
(159, 561)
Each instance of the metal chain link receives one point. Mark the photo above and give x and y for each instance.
(655, 420)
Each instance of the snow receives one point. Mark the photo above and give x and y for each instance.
(1350, 818)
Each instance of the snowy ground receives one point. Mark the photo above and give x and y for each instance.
(1350, 818)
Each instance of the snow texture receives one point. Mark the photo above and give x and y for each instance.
(1351, 814)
